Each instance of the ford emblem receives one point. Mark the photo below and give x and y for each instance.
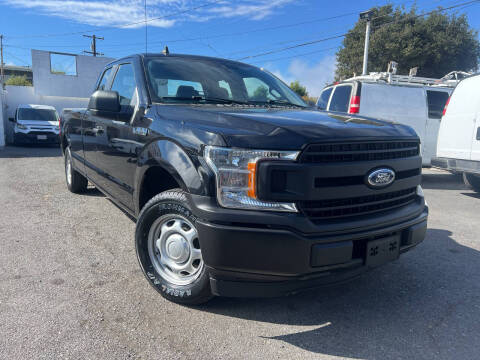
(380, 178)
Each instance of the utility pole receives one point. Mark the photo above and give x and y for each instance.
(93, 46)
(1, 63)
(366, 15)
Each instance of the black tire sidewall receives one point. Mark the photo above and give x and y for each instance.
(194, 293)
(68, 158)
(472, 180)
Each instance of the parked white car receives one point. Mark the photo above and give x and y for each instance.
(35, 124)
(413, 101)
(458, 146)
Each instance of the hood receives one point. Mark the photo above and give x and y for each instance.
(280, 128)
(37, 123)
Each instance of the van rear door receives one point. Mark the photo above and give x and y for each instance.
(402, 104)
(459, 125)
(436, 100)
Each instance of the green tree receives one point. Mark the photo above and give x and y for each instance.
(18, 80)
(437, 44)
(298, 88)
(260, 93)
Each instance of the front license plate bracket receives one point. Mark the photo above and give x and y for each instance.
(381, 251)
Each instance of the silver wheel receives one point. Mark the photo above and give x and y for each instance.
(174, 249)
(68, 167)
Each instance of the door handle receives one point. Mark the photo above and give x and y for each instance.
(478, 133)
(98, 130)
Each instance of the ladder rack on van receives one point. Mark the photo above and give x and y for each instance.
(449, 80)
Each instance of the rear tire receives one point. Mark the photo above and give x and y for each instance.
(76, 182)
(472, 181)
(168, 249)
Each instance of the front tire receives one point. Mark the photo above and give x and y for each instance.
(472, 181)
(76, 182)
(168, 249)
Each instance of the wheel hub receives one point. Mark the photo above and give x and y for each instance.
(174, 249)
(177, 248)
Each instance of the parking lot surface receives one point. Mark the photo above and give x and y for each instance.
(71, 288)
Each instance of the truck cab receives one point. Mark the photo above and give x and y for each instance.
(237, 187)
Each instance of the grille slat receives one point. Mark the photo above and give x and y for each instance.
(362, 151)
(372, 200)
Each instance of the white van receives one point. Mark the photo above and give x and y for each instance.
(35, 124)
(417, 102)
(458, 147)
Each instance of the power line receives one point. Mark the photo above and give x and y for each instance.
(293, 47)
(343, 35)
(16, 57)
(109, 28)
(93, 45)
(212, 36)
(295, 56)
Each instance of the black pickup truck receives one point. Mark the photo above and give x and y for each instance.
(237, 187)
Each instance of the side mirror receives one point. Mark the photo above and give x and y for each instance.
(104, 102)
(11, 119)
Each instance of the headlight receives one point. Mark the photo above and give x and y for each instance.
(235, 172)
(421, 194)
(21, 127)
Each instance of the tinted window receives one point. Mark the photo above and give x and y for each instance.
(323, 99)
(105, 77)
(340, 99)
(436, 103)
(124, 84)
(180, 88)
(37, 114)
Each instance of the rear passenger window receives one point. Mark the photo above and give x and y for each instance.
(436, 102)
(340, 98)
(323, 99)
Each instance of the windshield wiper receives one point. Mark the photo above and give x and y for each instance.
(284, 102)
(202, 98)
(225, 101)
(277, 102)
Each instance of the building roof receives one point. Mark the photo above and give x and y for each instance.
(17, 68)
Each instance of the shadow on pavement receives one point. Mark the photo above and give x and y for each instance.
(443, 181)
(30, 151)
(424, 305)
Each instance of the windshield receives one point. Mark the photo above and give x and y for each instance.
(37, 114)
(181, 80)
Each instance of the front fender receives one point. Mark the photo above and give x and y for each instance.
(183, 166)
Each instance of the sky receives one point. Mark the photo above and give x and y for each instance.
(254, 31)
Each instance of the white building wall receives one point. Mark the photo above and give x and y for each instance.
(16, 95)
(80, 85)
(2, 107)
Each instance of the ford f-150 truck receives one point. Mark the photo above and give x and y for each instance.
(236, 186)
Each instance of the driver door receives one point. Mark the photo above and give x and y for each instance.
(116, 145)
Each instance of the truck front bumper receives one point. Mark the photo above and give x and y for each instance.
(247, 258)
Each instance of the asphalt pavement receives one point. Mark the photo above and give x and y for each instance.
(71, 288)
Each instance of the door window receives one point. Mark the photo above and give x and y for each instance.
(323, 99)
(341, 98)
(124, 84)
(105, 78)
(436, 102)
